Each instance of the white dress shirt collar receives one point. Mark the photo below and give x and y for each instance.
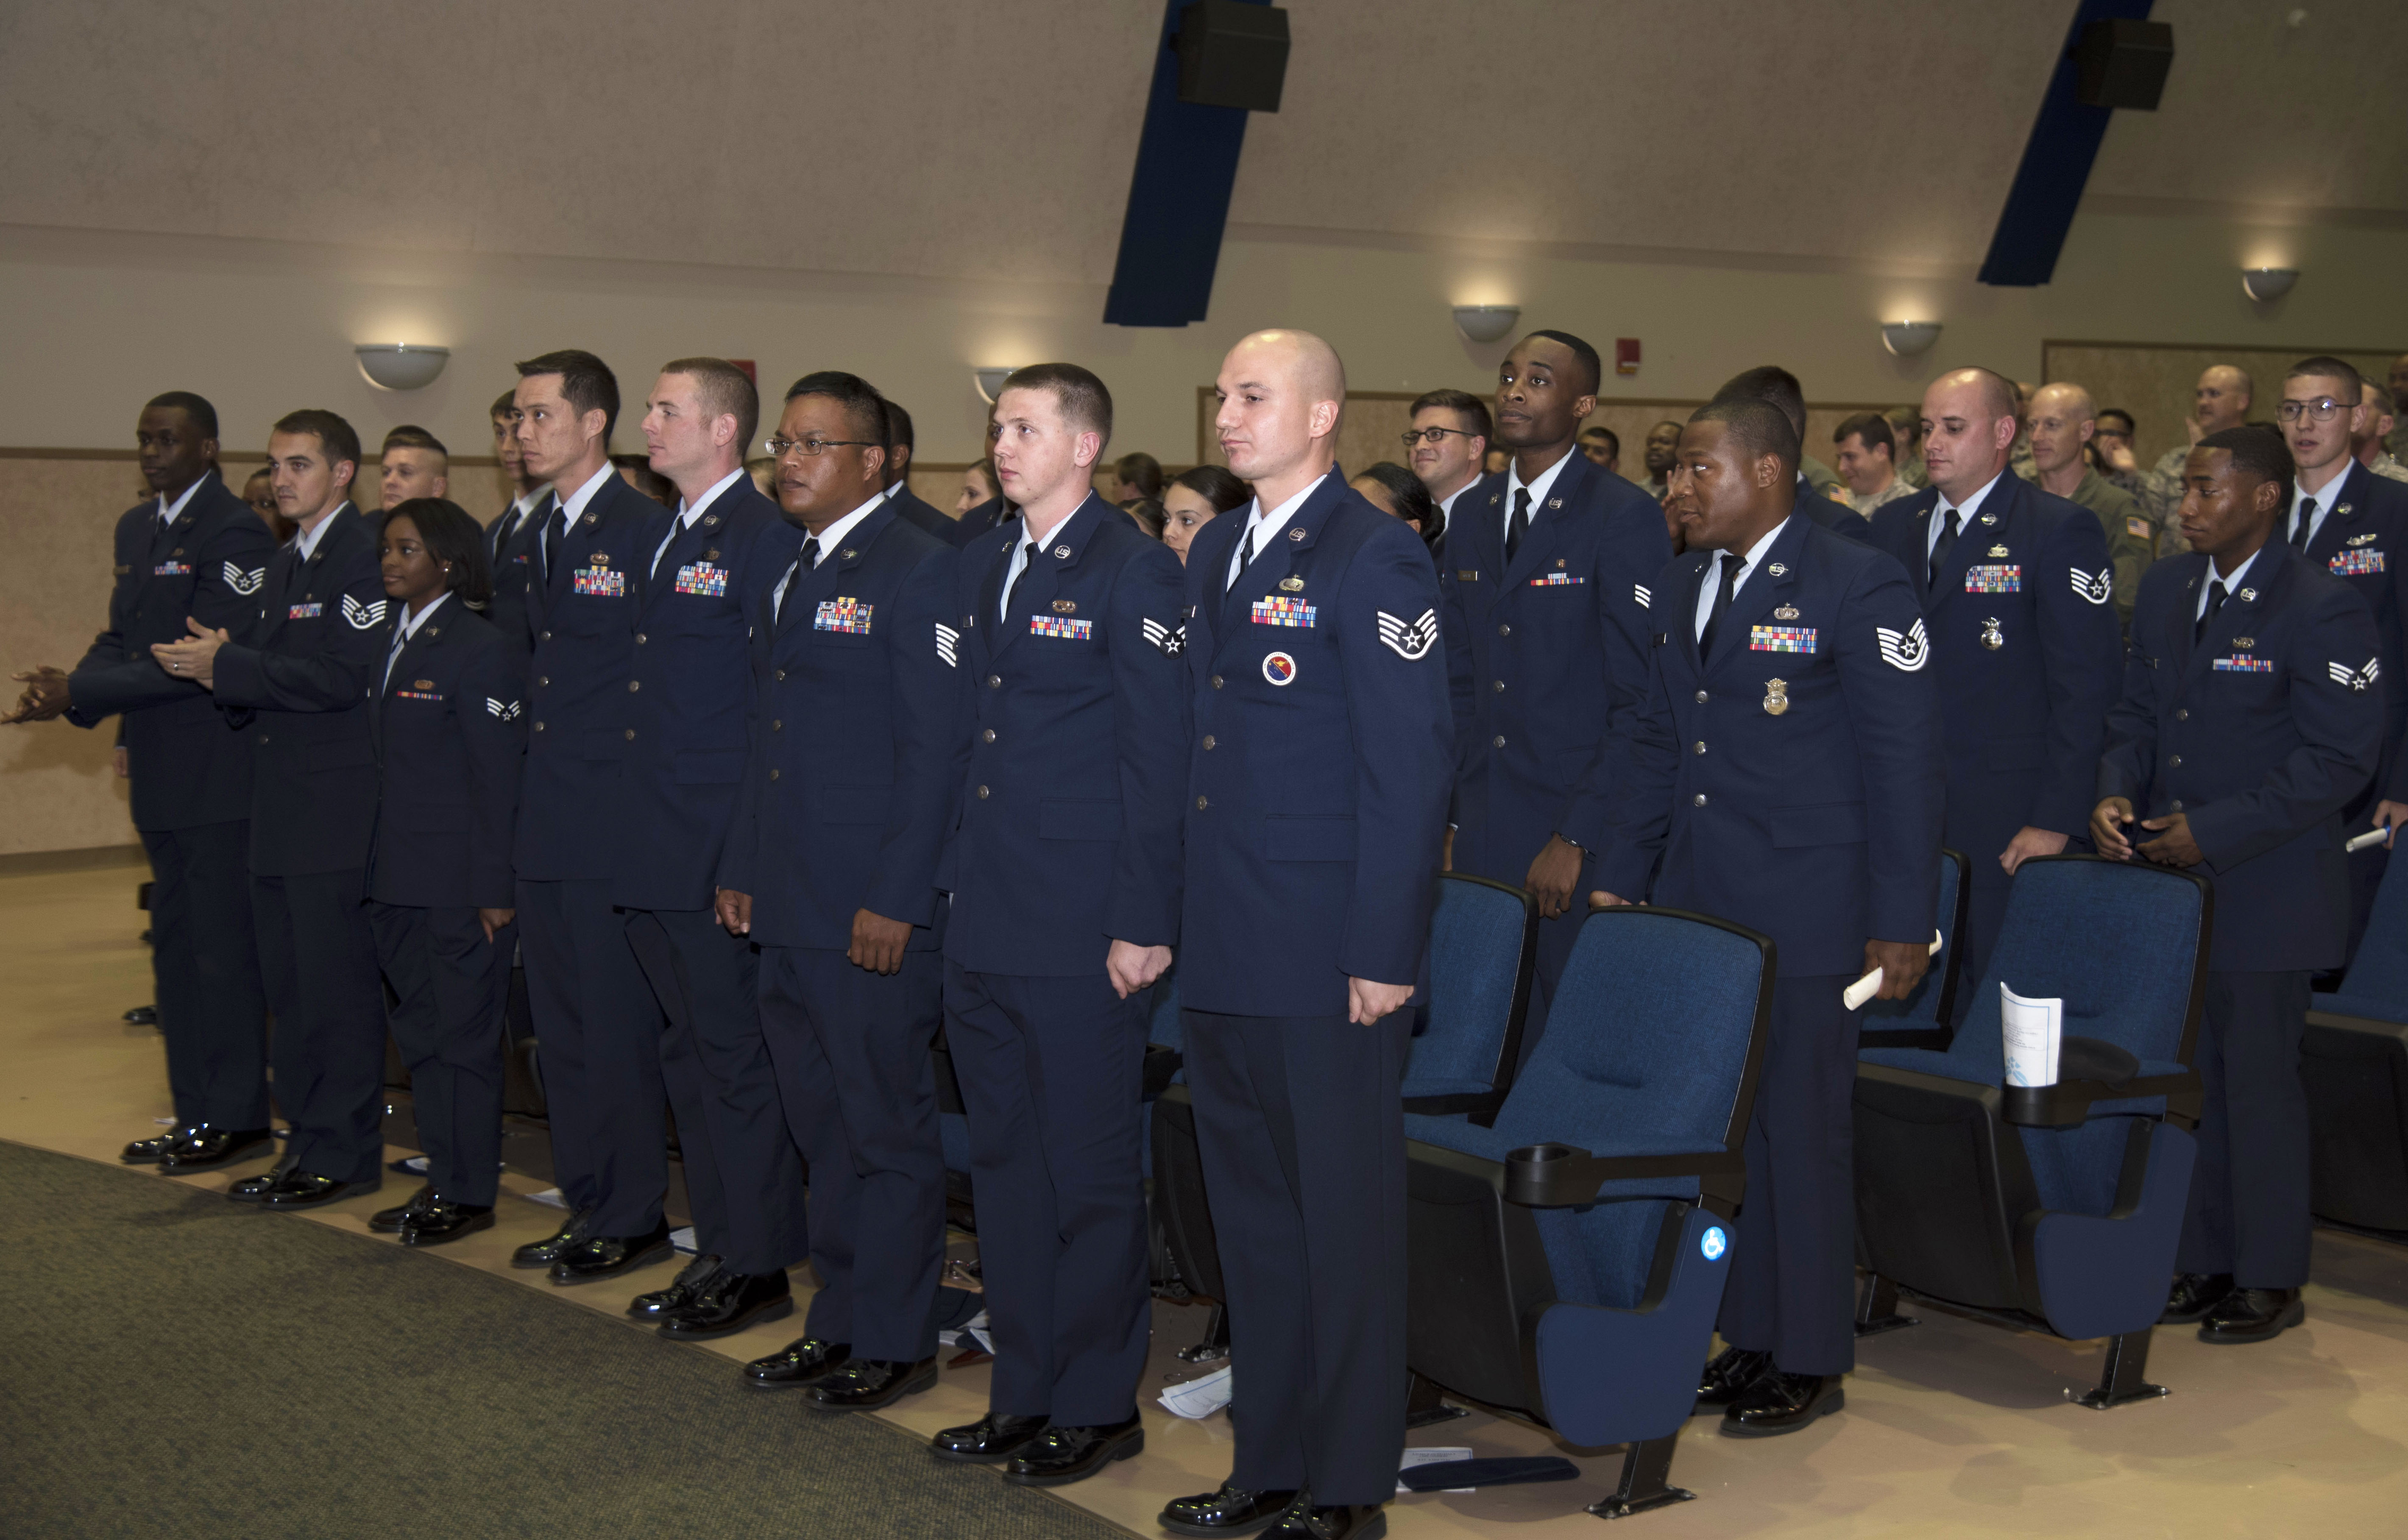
(307, 540)
(1971, 506)
(170, 512)
(684, 519)
(2232, 584)
(572, 507)
(1712, 584)
(828, 539)
(1266, 526)
(1539, 486)
(2326, 497)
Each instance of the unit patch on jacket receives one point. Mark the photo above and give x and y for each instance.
(849, 616)
(703, 578)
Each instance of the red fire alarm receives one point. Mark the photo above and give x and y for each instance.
(1626, 355)
(746, 365)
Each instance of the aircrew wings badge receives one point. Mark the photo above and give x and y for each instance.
(1908, 652)
(1409, 640)
(245, 583)
(2355, 679)
(2096, 587)
(1171, 639)
(949, 643)
(363, 617)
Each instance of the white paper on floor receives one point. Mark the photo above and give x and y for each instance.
(1431, 1457)
(974, 1328)
(165, 1123)
(551, 1195)
(1198, 1398)
(684, 1240)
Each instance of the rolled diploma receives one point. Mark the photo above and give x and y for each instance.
(1870, 985)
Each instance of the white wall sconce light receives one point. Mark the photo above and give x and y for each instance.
(990, 383)
(2263, 284)
(398, 366)
(1906, 338)
(1485, 323)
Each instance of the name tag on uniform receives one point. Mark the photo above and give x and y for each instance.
(1466, 574)
(703, 578)
(2241, 663)
(2364, 562)
(1994, 579)
(1055, 625)
(1780, 638)
(305, 612)
(1557, 579)
(601, 582)
(172, 569)
(1283, 611)
(849, 616)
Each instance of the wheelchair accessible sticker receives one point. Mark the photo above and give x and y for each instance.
(1714, 1243)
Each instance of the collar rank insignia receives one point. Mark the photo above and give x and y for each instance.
(593, 520)
(1992, 637)
(1786, 612)
(2342, 510)
(1776, 697)
(847, 554)
(1556, 503)
(1291, 585)
(1494, 498)
(1998, 553)
(1066, 607)
(1061, 553)
(1296, 534)
(711, 520)
(1778, 570)
(1989, 518)
(2248, 595)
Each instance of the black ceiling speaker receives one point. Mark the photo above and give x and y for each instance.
(2123, 64)
(1234, 54)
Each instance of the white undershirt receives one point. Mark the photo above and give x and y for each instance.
(1265, 525)
(1712, 585)
(1939, 515)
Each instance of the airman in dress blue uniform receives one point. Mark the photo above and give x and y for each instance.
(1065, 876)
(1546, 625)
(2018, 595)
(2251, 714)
(1318, 791)
(1786, 775)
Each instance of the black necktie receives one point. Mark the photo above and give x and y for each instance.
(805, 559)
(400, 638)
(2307, 518)
(1948, 527)
(543, 535)
(2214, 603)
(1727, 584)
(1014, 588)
(1519, 524)
(1245, 559)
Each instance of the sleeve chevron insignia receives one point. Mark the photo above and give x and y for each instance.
(1908, 652)
(1171, 639)
(245, 583)
(2356, 679)
(363, 617)
(949, 642)
(1409, 640)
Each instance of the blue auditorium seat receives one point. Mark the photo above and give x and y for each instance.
(1569, 1261)
(1483, 954)
(2054, 1208)
(2354, 1063)
(1921, 1021)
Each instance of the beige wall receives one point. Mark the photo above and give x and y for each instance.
(2157, 384)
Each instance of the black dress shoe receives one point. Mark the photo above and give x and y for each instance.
(656, 1303)
(1343, 1521)
(1059, 1456)
(300, 1189)
(1781, 1403)
(443, 1220)
(142, 1016)
(729, 1303)
(202, 1147)
(867, 1384)
(147, 1151)
(1232, 1510)
(250, 1190)
(2194, 1294)
(1729, 1375)
(997, 1435)
(388, 1222)
(599, 1256)
(2253, 1315)
(796, 1365)
(543, 1253)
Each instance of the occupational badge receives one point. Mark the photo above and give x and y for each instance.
(1992, 636)
(1776, 697)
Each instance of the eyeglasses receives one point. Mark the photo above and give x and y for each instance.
(814, 448)
(2322, 409)
(1433, 437)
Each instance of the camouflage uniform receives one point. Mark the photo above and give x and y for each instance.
(2132, 534)
(1891, 493)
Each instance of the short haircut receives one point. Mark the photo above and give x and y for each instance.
(1773, 385)
(450, 536)
(506, 406)
(863, 408)
(1084, 404)
(1414, 500)
(203, 416)
(898, 427)
(1218, 485)
(1613, 439)
(2381, 395)
(1668, 422)
(336, 437)
(1462, 403)
(1872, 428)
(409, 436)
(726, 390)
(1583, 351)
(1142, 471)
(585, 382)
(2260, 452)
(2120, 414)
(2325, 367)
(1759, 427)
(1998, 393)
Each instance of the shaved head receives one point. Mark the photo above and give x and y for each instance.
(2067, 400)
(1282, 392)
(1309, 364)
(1968, 430)
(2225, 376)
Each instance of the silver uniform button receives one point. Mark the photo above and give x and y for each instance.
(1701, 697)
(1500, 741)
(2174, 762)
(1700, 800)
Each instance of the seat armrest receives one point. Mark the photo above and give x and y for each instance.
(2067, 1104)
(1162, 1061)
(1474, 1102)
(1557, 1175)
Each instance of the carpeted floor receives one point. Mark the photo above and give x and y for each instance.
(175, 1365)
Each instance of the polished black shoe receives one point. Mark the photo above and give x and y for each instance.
(299, 1188)
(2193, 1295)
(142, 1016)
(203, 1149)
(728, 1303)
(2253, 1315)
(1782, 1404)
(388, 1222)
(1729, 1375)
(656, 1305)
(993, 1437)
(443, 1221)
(250, 1190)
(147, 1151)
(1059, 1456)
(1343, 1521)
(867, 1384)
(798, 1364)
(1232, 1510)
(543, 1253)
(599, 1256)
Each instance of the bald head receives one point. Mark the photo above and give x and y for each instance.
(1968, 427)
(2061, 418)
(2222, 398)
(1281, 393)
